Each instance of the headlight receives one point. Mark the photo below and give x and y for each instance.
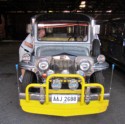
(26, 57)
(49, 72)
(80, 72)
(101, 58)
(56, 84)
(43, 65)
(73, 84)
(85, 65)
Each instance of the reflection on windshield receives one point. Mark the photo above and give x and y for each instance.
(64, 32)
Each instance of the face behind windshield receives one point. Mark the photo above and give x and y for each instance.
(62, 32)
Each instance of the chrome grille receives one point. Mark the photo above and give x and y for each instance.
(59, 65)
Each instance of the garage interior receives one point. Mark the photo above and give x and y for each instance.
(13, 11)
(14, 17)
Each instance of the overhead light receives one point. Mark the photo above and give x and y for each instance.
(66, 11)
(109, 11)
(83, 2)
(79, 11)
(116, 18)
(82, 6)
(50, 11)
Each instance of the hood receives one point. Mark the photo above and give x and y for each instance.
(51, 50)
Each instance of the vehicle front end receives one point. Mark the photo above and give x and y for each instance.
(63, 66)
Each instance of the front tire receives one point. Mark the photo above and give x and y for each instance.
(97, 77)
(27, 79)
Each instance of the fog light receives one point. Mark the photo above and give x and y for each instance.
(73, 84)
(56, 84)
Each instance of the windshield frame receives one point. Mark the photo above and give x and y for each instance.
(59, 24)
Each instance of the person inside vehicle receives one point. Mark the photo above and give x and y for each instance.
(41, 33)
(27, 47)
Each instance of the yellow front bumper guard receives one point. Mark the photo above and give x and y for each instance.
(49, 108)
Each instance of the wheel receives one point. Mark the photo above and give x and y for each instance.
(97, 77)
(95, 48)
(27, 79)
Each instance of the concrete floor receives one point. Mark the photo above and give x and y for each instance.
(11, 113)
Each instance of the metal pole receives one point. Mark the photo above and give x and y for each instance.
(113, 67)
(17, 77)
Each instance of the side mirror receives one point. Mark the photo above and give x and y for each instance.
(96, 29)
(29, 28)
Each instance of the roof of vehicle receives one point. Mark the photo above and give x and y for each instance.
(63, 17)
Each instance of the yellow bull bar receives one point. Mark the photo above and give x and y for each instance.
(95, 106)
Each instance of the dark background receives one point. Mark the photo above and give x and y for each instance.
(15, 14)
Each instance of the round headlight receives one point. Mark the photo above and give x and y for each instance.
(49, 72)
(101, 58)
(73, 84)
(85, 65)
(26, 57)
(56, 84)
(43, 65)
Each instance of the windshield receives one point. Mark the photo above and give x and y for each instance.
(62, 32)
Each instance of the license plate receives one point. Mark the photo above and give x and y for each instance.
(64, 99)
